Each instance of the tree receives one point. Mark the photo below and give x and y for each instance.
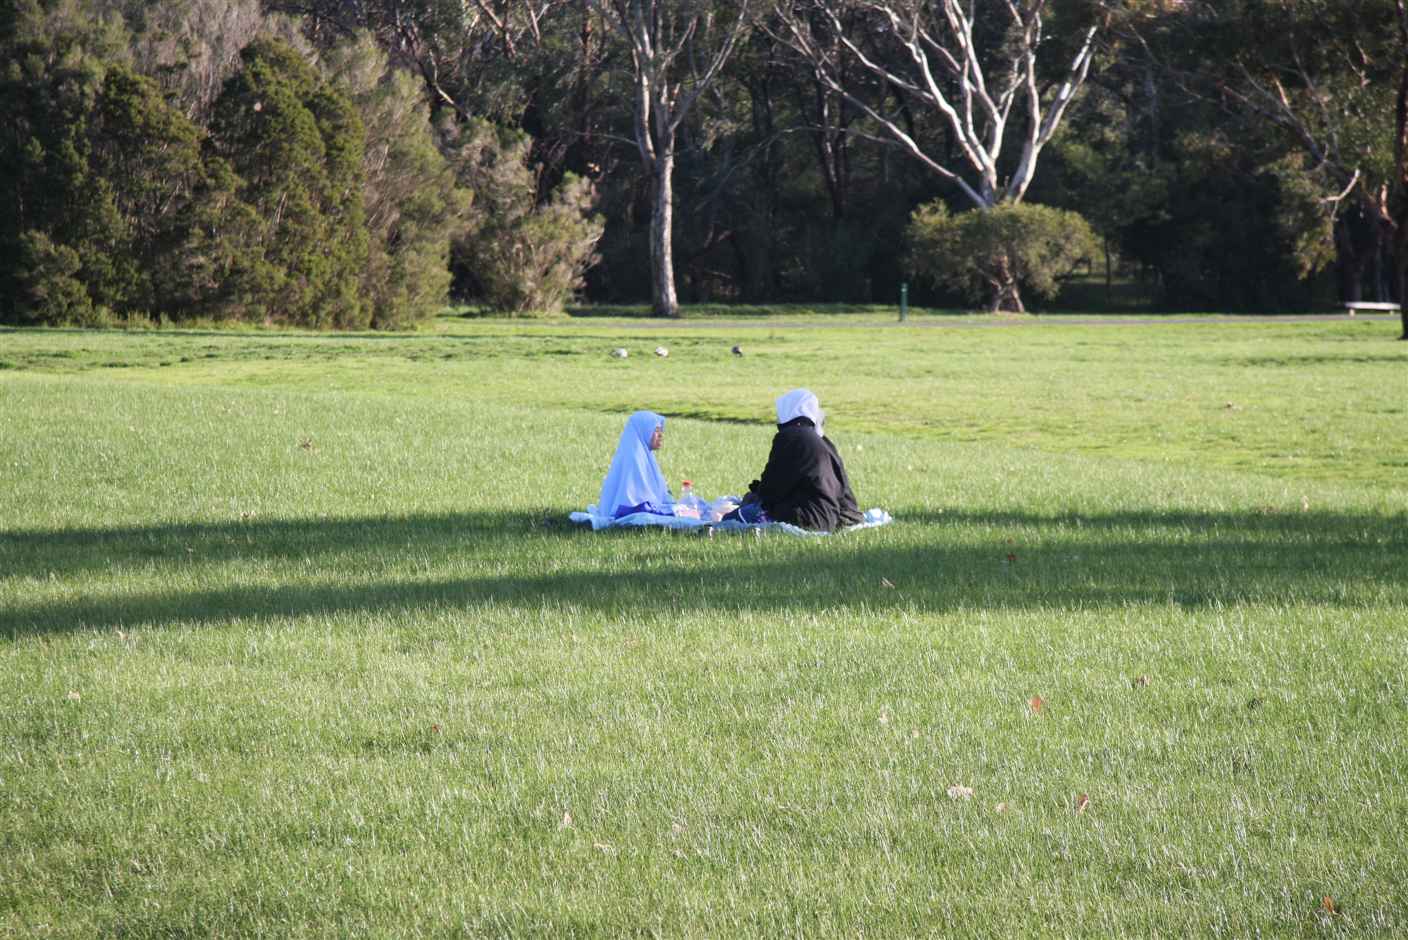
(677, 49)
(296, 144)
(468, 53)
(1325, 80)
(995, 253)
(934, 56)
(414, 205)
(98, 171)
(190, 47)
(930, 53)
(522, 256)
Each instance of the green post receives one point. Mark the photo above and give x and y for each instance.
(904, 300)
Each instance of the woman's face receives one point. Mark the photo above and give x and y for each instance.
(657, 437)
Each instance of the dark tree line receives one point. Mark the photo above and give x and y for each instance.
(356, 163)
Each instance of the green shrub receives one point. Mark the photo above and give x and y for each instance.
(51, 290)
(521, 258)
(993, 255)
(413, 203)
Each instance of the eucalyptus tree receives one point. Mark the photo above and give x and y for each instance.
(468, 53)
(989, 95)
(1327, 80)
(677, 50)
(977, 68)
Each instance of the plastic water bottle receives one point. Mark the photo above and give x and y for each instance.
(689, 506)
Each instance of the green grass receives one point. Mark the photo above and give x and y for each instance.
(295, 639)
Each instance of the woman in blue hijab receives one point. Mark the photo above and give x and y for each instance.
(634, 483)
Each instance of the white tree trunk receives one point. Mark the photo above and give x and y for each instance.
(664, 38)
(662, 254)
(933, 59)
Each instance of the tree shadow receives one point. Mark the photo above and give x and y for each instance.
(40, 553)
(926, 563)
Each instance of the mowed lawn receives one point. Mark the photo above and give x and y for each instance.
(295, 639)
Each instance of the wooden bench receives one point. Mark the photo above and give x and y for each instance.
(1354, 306)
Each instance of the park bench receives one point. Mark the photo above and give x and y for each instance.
(1354, 306)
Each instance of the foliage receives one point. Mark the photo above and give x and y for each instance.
(101, 172)
(1235, 155)
(296, 144)
(191, 47)
(414, 205)
(520, 257)
(992, 255)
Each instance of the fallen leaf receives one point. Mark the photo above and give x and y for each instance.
(886, 582)
(435, 729)
(1328, 905)
(959, 792)
(566, 821)
(603, 847)
(677, 828)
(1000, 808)
(1082, 801)
(1011, 558)
(306, 443)
(1141, 681)
(1035, 703)
(884, 718)
(74, 696)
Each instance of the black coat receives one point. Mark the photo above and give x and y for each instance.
(805, 482)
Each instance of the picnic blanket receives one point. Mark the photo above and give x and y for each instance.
(873, 519)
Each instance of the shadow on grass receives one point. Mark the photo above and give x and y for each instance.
(65, 552)
(927, 563)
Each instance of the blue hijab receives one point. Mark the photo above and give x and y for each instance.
(634, 483)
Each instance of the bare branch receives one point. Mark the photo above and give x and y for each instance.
(925, 49)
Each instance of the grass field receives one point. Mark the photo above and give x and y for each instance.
(295, 639)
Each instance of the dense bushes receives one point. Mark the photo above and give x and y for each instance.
(281, 187)
(993, 255)
(354, 165)
(522, 257)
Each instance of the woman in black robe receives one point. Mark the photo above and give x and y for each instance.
(804, 482)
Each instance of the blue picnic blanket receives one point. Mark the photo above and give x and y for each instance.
(873, 519)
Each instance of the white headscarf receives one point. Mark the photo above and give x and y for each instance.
(800, 403)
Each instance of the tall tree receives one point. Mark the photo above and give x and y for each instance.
(1324, 81)
(414, 206)
(988, 89)
(297, 145)
(933, 54)
(468, 53)
(677, 49)
(96, 172)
